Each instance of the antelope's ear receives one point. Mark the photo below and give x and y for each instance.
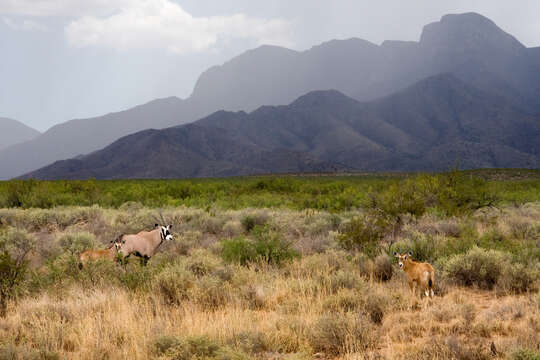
(170, 226)
(156, 225)
(410, 254)
(396, 254)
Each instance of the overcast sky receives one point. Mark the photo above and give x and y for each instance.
(65, 59)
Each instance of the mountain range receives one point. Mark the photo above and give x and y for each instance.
(395, 106)
(431, 125)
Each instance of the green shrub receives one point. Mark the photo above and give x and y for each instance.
(250, 221)
(364, 233)
(407, 196)
(268, 246)
(12, 274)
(461, 194)
(478, 267)
(239, 250)
(271, 247)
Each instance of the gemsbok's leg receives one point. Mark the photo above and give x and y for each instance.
(412, 286)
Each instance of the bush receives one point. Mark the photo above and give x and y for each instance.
(15, 247)
(519, 278)
(364, 234)
(250, 221)
(271, 247)
(174, 283)
(193, 348)
(239, 250)
(12, 274)
(383, 269)
(479, 267)
(77, 243)
(459, 194)
(268, 246)
(525, 354)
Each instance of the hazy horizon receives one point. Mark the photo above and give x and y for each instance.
(87, 58)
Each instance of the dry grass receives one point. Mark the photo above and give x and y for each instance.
(327, 304)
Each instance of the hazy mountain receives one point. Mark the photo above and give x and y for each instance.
(469, 46)
(13, 132)
(431, 125)
(78, 137)
(461, 44)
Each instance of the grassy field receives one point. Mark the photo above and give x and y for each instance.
(274, 268)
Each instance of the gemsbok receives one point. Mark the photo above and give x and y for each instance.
(418, 274)
(92, 255)
(146, 243)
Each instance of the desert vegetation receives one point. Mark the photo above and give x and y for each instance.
(294, 268)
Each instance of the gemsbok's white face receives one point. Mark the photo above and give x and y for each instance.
(165, 232)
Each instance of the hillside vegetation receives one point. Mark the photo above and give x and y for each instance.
(274, 268)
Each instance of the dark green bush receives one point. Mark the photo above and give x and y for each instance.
(267, 246)
(239, 250)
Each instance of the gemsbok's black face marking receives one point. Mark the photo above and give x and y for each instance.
(166, 233)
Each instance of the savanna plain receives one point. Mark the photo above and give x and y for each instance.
(277, 267)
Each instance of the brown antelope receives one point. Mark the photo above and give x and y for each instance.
(146, 243)
(93, 255)
(418, 274)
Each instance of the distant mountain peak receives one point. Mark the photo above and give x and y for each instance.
(336, 44)
(322, 98)
(467, 30)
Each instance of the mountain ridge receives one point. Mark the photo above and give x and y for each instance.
(443, 121)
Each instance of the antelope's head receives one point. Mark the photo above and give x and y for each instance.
(117, 243)
(165, 232)
(403, 258)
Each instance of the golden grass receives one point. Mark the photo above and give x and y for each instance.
(114, 323)
(327, 304)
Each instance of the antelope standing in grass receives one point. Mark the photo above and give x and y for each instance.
(418, 274)
(92, 255)
(146, 243)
